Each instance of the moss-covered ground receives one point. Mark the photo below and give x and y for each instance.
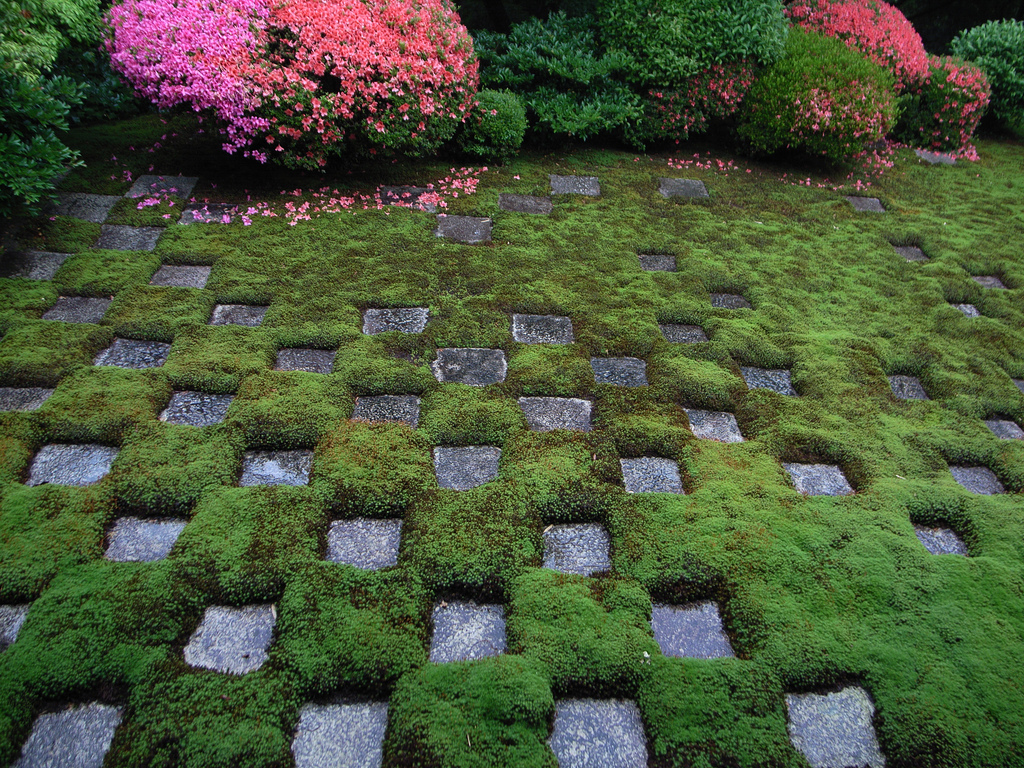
(814, 591)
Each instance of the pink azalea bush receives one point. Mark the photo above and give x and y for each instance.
(945, 110)
(713, 94)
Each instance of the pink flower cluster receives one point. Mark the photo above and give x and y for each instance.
(714, 94)
(953, 99)
(846, 113)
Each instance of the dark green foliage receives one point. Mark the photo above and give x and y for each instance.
(998, 48)
(104, 94)
(494, 131)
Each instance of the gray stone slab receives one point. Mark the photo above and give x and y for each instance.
(575, 185)
(71, 464)
(729, 301)
(343, 734)
(32, 265)
(464, 630)
(911, 252)
(11, 619)
(156, 186)
(692, 631)
(196, 409)
(580, 548)
(23, 398)
(865, 204)
(907, 388)
(133, 540)
(464, 229)
(364, 542)
(130, 353)
(404, 409)
(118, 237)
(308, 360)
(181, 276)
(774, 379)
(1019, 383)
(542, 329)
(1004, 429)
(544, 414)
(463, 468)
(276, 467)
(76, 737)
(679, 333)
(620, 371)
(989, 281)
(232, 640)
(657, 262)
(650, 474)
(250, 315)
(935, 158)
(940, 541)
(598, 733)
(981, 480)
(470, 365)
(969, 310)
(207, 213)
(77, 309)
(85, 206)
(540, 206)
(834, 730)
(714, 425)
(688, 188)
(818, 479)
(401, 319)
(407, 197)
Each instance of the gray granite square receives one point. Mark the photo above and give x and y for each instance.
(463, 468)
(364, 542)
(911, 252)
(181, 276)
(834, 730)
(940, 541)
(407, 197)
(729, 301)
(401, 319)
(133, 540)
(579, 548)
(11, 619)
(404, 409)
(969, 310)
(650, 474)
(77, 309)
(71, 464)
(989, 281)
(774, 379)
(542, 329)
(678, 333)
(464, 229)
(23, 398)
(620, 371)
(33, 265)
(343, 734)
(981, 480)
(1004, 429)
(524, 204)
(250, 315)
(1019, 383)
(308, 360)
(155, 186)
(714, 425)
(232, 640)
(575, 185)
(207, 213)
(818, 479)
(935, 158)
(76, 737)
(657, 262)
(544, 414)
(692, 631)
(118, 237)
(598, 733)
(129, 353)
(688, 188)
(464, 630)
(907, 388)
(276, 467)
(865, 204)
(196, 409)
(85, 206)
(470, 365)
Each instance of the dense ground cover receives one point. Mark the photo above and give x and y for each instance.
(815, 591)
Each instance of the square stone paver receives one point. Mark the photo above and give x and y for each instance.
(308, 360)
(834, 730)
(775, 379)
(77, 737)
(464, 630)
(935, 158)
(463, 468)
(729, 301)
(464, 229)
(969, 310)
(981, 480)
(401, 319)
(118, 237)
(85, 206)
(989, 281)
(343, 734)
(1019, 383)
(364, 542)
(524, 204)
(650, 474)
(575, 185)
(679, 333)
(77, 309)
(32, 265)
(690, 631)
(207, 213)
(714, 425)
(657, 262)
(232, 640)
(818, 479)
(598, 733)
(542, 329)
(470, 365)
(1005, 429)
(407, 197)
(276, 467)
(142, 541)
(196, 409)
(911, 252)
(940, 541)
(129, 353)
(151, 186)
(11, 619)
(544, 414)
(23, 398)
(620, 371)
(71, 464)
(580, 548)
(865, 204)
(688, 188)
(250, 315)
(907, 388)
(404, 409)
(175, 276)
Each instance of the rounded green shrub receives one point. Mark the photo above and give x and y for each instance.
(998, 48)
(495, 129)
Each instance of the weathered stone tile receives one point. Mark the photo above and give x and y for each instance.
(151, 186)
(580, 548)
(464, 630)
(181, 276)
(207, 213)
(402, 319)
(936, 158)
(196, 409)
(691, 631)
(911, 252)
(575, 185)
(969, 310)
(989, 281)
(308, 360)
(688, 188)
(620, 371)
(775, 379)
(407, 197)
(77, 737)
(130, 353)
(598, 733)
(276, 467)
(11, 619)
(657, 262)
(464, 229)
(865, 204)
(71, 464)
(23, 398)
(118, 237)
(463, 468)
(678, 333)
(542, 329)
(470, 365)
(907, 388)
(1019, 383)
(834, 729)
(85, 206)
(524, 204)
(142, 541)
(729, 301)
(940, 541)
(544, 414)
(404, 409)
(232, 640)
(250, 315)
(818, 479)
(342, 734)
(77, 309)
(1005, 429)
(714, 425)
(32, 265)
(981, 480)
(650, 474)
(367, 543)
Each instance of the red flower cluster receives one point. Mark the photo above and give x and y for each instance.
(714, 94)
(947, 107)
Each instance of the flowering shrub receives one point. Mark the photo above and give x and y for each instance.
(496, 127)
(998, 48)
(945, 110)
(873, 27)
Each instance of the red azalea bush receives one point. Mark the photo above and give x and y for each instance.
(945, 110)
